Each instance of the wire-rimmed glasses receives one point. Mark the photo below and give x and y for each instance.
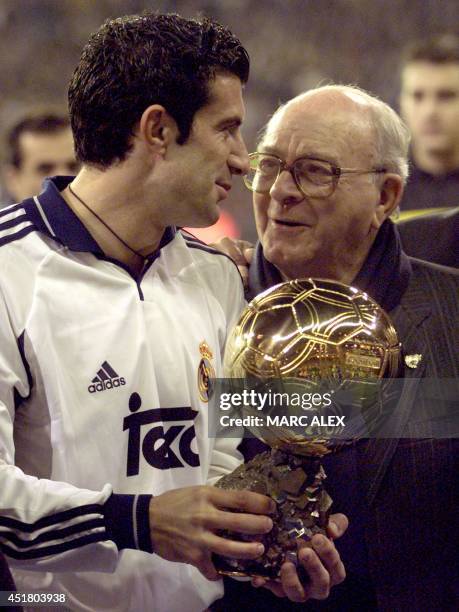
(314, 177)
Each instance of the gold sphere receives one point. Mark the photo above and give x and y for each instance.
(316, 332)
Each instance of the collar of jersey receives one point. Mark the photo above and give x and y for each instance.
(62, 223)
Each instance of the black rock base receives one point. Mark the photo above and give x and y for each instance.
(296, 485)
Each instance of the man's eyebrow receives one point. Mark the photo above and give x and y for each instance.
(235, 121)
(267, 149)
(448, 91)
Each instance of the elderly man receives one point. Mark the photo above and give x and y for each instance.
(328, 172)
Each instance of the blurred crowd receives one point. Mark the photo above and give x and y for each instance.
(40, 144)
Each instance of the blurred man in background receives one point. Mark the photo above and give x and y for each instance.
(429, 103)
(38, 146)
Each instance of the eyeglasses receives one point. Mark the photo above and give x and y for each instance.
(314, 177)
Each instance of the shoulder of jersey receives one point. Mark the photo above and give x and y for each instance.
(194, 243)
(15, 223)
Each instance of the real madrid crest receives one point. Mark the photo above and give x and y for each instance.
(205, 371)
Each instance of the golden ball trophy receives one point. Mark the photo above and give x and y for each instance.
(305, 337)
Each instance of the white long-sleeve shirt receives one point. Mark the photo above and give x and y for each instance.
(101, 407)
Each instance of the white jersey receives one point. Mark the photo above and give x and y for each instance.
(103, 403)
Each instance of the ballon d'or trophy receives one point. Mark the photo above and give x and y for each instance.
(302, 336)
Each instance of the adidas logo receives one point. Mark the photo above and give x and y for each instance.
(106, 378)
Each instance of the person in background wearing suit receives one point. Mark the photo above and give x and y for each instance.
(328, 172)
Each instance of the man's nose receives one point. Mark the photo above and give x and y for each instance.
(239, 158)
(429, 107)
(285, 190)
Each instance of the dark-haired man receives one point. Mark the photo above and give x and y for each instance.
(429, 103)
(38, 146)
(108, 314)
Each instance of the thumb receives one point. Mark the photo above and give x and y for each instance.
(337, 525)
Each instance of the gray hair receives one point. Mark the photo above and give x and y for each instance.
(392, 136)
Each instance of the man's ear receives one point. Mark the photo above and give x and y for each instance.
(390, 195)
(157, 129)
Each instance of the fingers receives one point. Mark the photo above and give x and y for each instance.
(244, 268)
(330, 559)
(248, 254)
(337, 525)
(233, 248)
(244, 244)
(291, 584)
(240, 252)
(241, 523)
(183, 522)
(321, 562)
(243, 262)
(319, 586)
(323, 566)
(234, 549)
(247, 501)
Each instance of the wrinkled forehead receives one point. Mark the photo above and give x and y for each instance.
(335, 135)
